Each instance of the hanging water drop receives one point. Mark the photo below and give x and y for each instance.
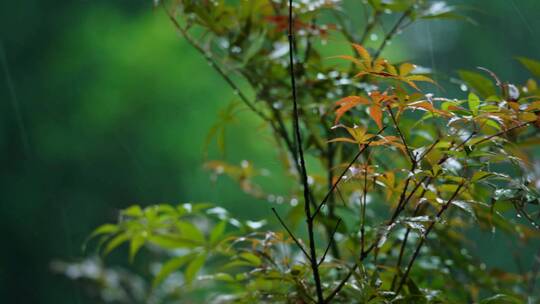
(463, 87)
(373, 37)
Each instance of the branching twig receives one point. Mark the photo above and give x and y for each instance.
(307, 208)
(422, 240)
(325, 199)
(330, 241)
(393, 31)
(214, 64)
(291, 234)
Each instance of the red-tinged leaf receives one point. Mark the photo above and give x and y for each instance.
(360, 74)
(347, 104)
(376, 114)
(425, 105)
(383, 74)
(364, 54)
(406, 68)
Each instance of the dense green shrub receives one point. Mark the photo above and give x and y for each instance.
(395, 177)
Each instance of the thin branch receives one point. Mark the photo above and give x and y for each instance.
(296, 116)
(207, 55)
(393, 31)
(330, 241)
(341, 284)
(363, 211)
(400, 134)
(422, 240)
(366, 145)
(503, 132)
(291, 234)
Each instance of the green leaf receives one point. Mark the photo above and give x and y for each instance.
(478, 82)
(480, 175)
(115, 242)
(250, 257)
(190, 232)
(194, 267)
(133, 211)
(532, 65)
(169, 267)
(172, 242)
(474, 103)
(104, 229)
(136, 243)
(217, 232)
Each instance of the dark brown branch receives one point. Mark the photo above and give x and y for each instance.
(393, 31)
(296, 118)
(422, 240)
(400, 134)
(325, 199)
(330, 241)
(291, 234)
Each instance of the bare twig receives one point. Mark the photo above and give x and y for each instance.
(330, 241)
(291, 234)
(208, 56)
(393, 31)
(423, 239)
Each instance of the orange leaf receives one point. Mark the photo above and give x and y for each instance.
(364, 54)
(376, 114)
(347, 104)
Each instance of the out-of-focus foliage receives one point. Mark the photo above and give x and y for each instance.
(104, 106)
(402, 174)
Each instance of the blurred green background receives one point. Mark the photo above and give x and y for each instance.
(103, 106)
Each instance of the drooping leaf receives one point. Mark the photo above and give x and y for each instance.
(194, 266)
(169, 267)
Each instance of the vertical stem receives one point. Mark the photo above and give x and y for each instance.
(307, 208)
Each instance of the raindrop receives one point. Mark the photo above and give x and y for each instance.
(463, 87)
(279, 200)
(373, 37)
(236, 50)
(271, 198)
(278, 105)
(244, 164)
(513, 92)
(294, 202)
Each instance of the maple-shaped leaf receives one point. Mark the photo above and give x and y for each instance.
(358, 133)
(376, 105)
(348, 103)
